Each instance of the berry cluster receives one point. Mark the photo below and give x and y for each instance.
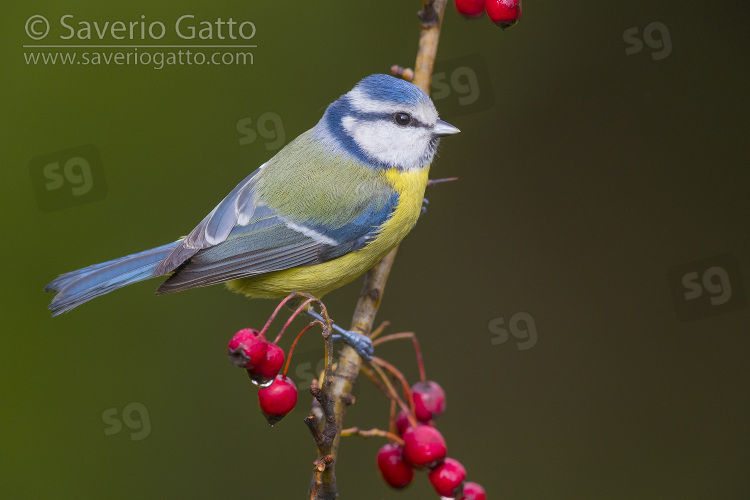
(415, 442)
(424, 447)
(504, 13)
(263, 360)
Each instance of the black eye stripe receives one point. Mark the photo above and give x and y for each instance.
(388, 117)
(415, 123)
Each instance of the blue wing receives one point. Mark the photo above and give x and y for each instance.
(242, 238)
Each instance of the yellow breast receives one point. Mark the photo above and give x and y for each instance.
(322, 278)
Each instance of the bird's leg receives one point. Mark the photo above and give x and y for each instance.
(361, 343)
(425, 202)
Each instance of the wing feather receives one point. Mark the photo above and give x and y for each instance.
(245, 237)
(216, 226)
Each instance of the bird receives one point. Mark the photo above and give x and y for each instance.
(318, 214)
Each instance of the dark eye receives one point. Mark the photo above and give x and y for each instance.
(402, 118)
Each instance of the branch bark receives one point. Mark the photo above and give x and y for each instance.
(349, 362)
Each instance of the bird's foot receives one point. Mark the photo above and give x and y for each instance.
(360, 342)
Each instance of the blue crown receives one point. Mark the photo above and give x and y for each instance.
(387, 88)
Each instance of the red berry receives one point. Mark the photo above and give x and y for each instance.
(423, 445)
(246, 348)
(473, 491)
(277, 399)
(402, 423)
(267, 368)
(394, 470)
(447, 476)
(429, 400)
(504, 13)
(470, 8)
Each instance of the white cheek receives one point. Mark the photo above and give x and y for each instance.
(389, 143)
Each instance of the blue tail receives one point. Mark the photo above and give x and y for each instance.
(76, 287)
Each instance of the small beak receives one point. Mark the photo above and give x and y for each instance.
(442, 129)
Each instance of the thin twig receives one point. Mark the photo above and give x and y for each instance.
(400, 377)
(356, 431)
(312, 424)
(417, 350)
(375, 380)
(376, 332)
(432, 182)
(294, 315)
(276, 311)
(296, 339)
(393, 394)
(392, 417)
(401, 72)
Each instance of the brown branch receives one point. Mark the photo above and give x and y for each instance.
(349, 362)
(312, 423)
(323, 427)
(319, 467)
(431, 16)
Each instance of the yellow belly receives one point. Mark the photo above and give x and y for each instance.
(322, 278)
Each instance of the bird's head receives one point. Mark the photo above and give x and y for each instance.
(384, 122)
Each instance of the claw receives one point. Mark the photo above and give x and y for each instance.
(361, 343)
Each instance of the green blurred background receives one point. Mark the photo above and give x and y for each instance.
(603, 158)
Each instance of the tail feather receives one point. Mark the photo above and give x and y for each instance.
(76, 287)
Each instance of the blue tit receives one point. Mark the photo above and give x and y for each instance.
(325, 209)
